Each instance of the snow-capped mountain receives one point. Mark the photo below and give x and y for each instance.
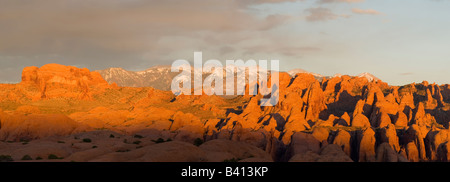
(160, 77)
(293, 72)
(369, 76)
(366, 75)
(337, 75)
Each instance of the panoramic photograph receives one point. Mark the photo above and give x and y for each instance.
(224, 81)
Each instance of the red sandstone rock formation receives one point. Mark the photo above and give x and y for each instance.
(348, 117)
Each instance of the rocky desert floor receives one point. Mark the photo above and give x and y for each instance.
(154, 146)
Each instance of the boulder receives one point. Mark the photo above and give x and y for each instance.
(443, 154)
(386, 154)
(181, 119)
(433, 140)
(412, 152)
(360, 120)
(293, 126)
(321, 134)
(315, 100)
(344, 120)
(388, 134)
(384, 120)
(301, 143)
(401, 120)
(333, 153)
(342, 139)
(367, 141)
(255, 138)
(189, 133)
(359, 108)
(416, 134)
(302, 81)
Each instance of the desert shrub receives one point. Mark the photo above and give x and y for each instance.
(24, 140)
(159, 140)
(122, 150)
(138, 136)
(6, 158)
(53, 156)
(111, 136)
(87, 140)
(137, 142)
(198, 142)
(26, 158)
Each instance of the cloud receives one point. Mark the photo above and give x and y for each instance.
(277, 49)
(365, 11)
(135, 34)
(226, 49)
(123, 33)
(339, 1)
(275, 20)
(321, 14)
(256, 2)
(71, 27)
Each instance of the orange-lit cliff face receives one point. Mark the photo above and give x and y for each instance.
(338, 119)
(54, 80)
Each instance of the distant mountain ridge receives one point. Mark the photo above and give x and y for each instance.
(160, 77)
(293, 72)
(369, 76)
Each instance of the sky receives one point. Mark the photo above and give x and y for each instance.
(400, 42)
